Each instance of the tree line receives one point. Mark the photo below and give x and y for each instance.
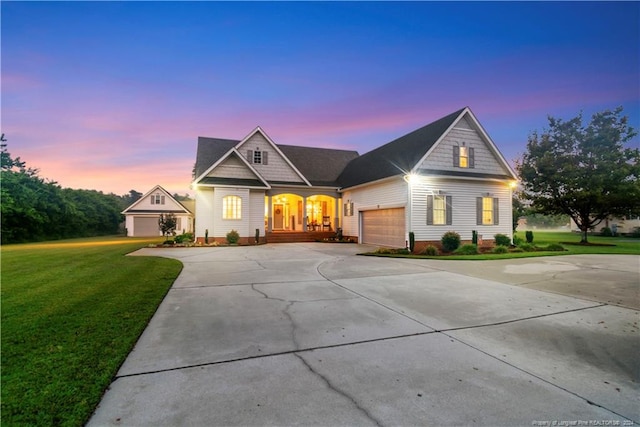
(35, 209)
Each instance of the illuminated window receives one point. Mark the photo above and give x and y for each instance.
(463, 157)
(439, 210)
(231, 207)
(487, 211)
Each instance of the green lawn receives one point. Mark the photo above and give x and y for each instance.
(541, 239)
(71, 312)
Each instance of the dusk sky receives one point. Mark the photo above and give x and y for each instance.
(112, 96)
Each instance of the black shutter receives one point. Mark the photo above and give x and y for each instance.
(479, 211)
(153, 199)
(456, 156)
(495, 211)
(449, 210)
(250, 156)
(265, 158)
(472, 162)
(429, 210)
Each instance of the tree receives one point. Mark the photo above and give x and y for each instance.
(519, 209)
(582, 171)
(167, 224)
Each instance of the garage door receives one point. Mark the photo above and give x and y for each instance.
(145, 226)
(384, 227)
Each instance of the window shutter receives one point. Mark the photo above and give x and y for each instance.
(265, 158)
(456, 156)
(449, 210)
(162, 200)
(153, 199)
(344, 210)
(471, 158)
(478, 210)
(250, 156)
(429, 210)
(495, 211)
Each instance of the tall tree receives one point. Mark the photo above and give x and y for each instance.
(585, 172)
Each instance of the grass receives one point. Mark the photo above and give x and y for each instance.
(621, 245)
(71, 312)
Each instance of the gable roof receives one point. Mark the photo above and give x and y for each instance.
(256, 181)
(181, 207)
(397, 157)
(319, 166)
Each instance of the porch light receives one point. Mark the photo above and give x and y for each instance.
(412, 178)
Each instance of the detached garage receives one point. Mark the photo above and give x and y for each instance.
(384, 227)
(141, 218)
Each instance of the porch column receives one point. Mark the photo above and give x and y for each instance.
(336, 214)
(304, 214)
(269, 215)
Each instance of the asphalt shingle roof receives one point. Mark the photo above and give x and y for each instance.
(396, 157)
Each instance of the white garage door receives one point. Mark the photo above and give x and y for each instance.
(384, 227)
(145, 226)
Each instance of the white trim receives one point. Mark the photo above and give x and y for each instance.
(223, 158)
(166, 193)
(275, 147)
(364, 184)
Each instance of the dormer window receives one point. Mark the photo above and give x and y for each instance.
(257, 157)
(463, 156)
(157, 199)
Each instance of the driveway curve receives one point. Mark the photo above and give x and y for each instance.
(311, 334)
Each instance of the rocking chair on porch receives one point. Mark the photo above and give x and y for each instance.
(326, 223)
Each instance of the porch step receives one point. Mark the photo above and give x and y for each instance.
(296, 237)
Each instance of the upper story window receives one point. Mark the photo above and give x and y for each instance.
(463, 156)
(157, 199)
(257, 157)
(231, 207)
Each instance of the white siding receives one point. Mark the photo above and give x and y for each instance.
(256, 212)
(169, 203)
(276, 169)
(223, 226)
(388, 194)
(204, 211)
(464, 194)
(232, 167)
(441, 158)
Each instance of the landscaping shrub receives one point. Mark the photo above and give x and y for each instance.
(527, 247)
(184, 237)
(606, 232)
(500, 249)
(502, 240)
(389, 251)
(450, 241)
(468, 249)
(233, 237)
(168, 242)
(431, 250)
(517, 241)
(555, 247)
(529, 236)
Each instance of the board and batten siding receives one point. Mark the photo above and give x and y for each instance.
(441, 158)
(277, 168)
(464, 194)
(388, 194)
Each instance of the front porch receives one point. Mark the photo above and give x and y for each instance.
(298, 236)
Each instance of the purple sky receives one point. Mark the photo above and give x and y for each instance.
(112, 96)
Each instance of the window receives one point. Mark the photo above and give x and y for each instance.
(439, 210)
(157, 199)
(487, 210)
(257, 157)
(231, 207)
(463, 157)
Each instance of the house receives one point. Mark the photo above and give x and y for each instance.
(141, 218)
(619, 225)
(446, 176)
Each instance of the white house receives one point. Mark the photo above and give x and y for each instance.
(141, 218)
(446, 176)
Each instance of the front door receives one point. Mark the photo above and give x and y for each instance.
(278, 216)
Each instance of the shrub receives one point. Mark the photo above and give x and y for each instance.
(527, 247)
(555, 247)
(606, 232)
(468, 249)
(502, 240)
(233, 237)
(517, 241)
(500, 249)
(412, 241)
(168, 242)
(450, 241)
(389, 251)
(635, 232)
(516, 250)
(184, 237)
(431, 250)
(529, 236)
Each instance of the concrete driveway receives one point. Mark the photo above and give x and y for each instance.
(310, 334)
